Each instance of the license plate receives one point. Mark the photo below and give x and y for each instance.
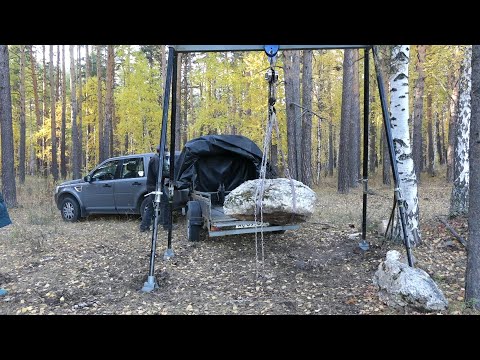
(249, 225)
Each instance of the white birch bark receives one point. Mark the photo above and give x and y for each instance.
(459, 197)
(399, 114)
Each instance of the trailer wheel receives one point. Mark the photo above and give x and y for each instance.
(194, 220)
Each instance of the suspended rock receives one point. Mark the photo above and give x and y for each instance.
(400, 285)
(278, 207)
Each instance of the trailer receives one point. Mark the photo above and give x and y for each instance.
(205, 211)
(208, 169)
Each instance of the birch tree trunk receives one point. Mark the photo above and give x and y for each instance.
(417, 150)
(73, 100)
(472, 278)
(21, 163)
(459, 197)
(452, 121)
(9, 189)
(399, 114)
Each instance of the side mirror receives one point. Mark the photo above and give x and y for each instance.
(87, 178)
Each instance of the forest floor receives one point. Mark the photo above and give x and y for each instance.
(98, 265)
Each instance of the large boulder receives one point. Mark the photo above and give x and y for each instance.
(400, 285)
(277, 201)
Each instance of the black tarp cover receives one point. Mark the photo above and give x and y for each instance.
(211, 160)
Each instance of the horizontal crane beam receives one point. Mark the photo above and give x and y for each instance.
(220, 48)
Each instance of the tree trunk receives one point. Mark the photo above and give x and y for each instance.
(306, 137)
(459, 198)
(442, 131)
(417, 150)
(57, 78)
(292, 95)
(439, 138)
(401, 139)
(63, 163)
(354, 131)
(431, 137)
(373, 135)
(53, 124)
(163, 63)
(107, 130)
(345, 154)
(178, 119)
(186, 69)
(38, 114)
(6, 130)
(88, 66)
(452, 123)
(73, 99)
(79, 108)
(21, 162)
(101, 140)
(330, 148)
(472, 278)
(319, 152)
(45, 115)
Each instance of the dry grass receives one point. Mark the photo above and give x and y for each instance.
(98, 265)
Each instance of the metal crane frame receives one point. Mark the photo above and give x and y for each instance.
(171, 84)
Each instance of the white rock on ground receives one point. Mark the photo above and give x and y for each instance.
(400, 285)
(277, 201)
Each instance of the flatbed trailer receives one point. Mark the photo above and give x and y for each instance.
(203, 211)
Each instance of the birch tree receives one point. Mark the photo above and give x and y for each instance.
(399, 114)
(459, 197)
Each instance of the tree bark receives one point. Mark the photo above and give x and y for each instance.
(107, 130)
(431, 137)
(88, 66)
(38, 114)
(452, 123)
(53, 125)
(472, 278)
(344, 152)
(459, 198)
(73, 99)
(292, 95)
(63, 162)
(21, 162)
(439, 138)
(373, 135)
(399, 114)
(186, 69)
(101, 140)
(45, 115)
(354, 131)
(417, 150)
(6, 130)
(178, 119)
(306, 138)
(330, 148)
(79, 109)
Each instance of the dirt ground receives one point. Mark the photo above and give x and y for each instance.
(98, 265)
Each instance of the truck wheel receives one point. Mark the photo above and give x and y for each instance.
(194, 220)
(143, 205)
(70, 209)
